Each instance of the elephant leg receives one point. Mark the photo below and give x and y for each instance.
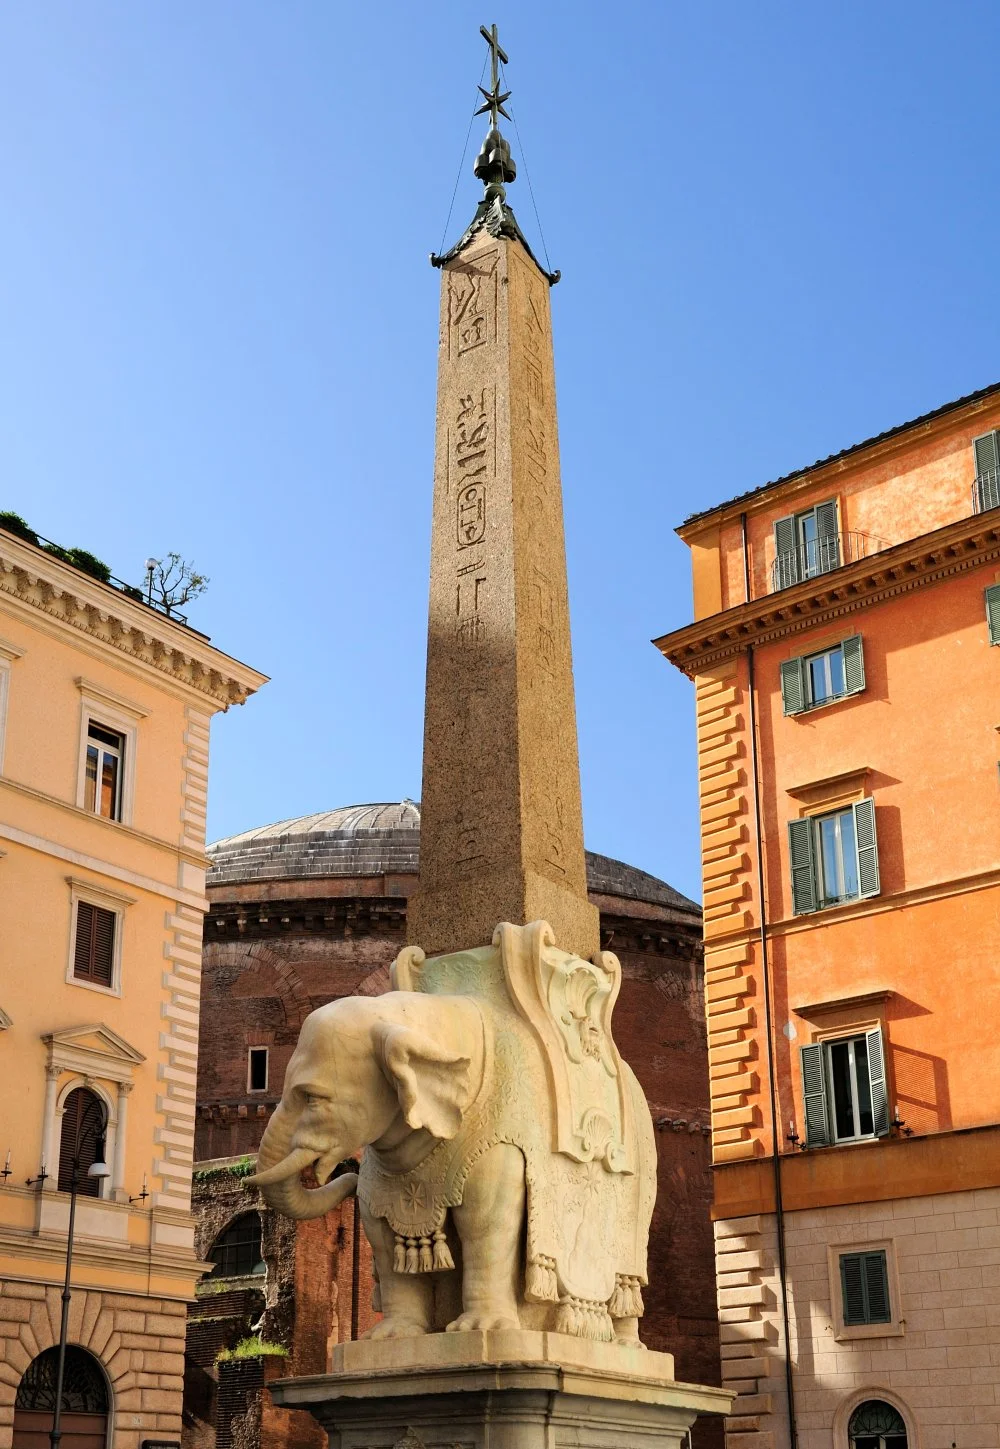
(407, 1298)
(489, 1224)
(627, 1332)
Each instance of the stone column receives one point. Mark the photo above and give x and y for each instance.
(48, 1155)
(119, 1192)
(501, 832)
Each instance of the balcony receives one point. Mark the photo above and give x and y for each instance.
(821, 555)
(986, 491)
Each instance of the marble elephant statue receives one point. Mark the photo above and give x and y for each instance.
(509, 1166)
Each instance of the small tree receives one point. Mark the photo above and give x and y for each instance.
(173, 582)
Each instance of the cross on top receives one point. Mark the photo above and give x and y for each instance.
(494, 98)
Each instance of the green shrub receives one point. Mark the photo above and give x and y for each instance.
(255, 1347)
(88, 563)
(14, 523)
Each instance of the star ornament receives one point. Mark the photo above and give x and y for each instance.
(494, 102)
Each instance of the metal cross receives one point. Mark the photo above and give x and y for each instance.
(494, 98)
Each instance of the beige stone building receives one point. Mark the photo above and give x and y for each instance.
(105, 706)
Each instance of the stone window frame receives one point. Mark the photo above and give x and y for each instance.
(857, 1397)
(9, 654)
(847, 1333)
(264, 1047)
(105, 708)
(111, 1065)
(118, 904)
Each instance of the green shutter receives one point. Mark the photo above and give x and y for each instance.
(876, 1072)
(854, 665)
(813, 1066)
(787, 564)
(827, 537)
(852, 1283)
(876, 1288)
(987, 454)
(867, 846)
(793, 686)
(802, 855)
(993, 612)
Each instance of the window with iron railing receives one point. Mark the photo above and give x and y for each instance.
(812, 542)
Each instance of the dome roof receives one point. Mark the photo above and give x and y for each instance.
(383, 839)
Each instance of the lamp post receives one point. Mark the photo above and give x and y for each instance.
(92, 1116)
(150, 566)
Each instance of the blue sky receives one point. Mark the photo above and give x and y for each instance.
(776, 225)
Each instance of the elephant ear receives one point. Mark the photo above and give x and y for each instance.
(432, 1084)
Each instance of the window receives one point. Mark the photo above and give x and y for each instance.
(819, 678)
(257, 1069)
(993, 612)
(236, 1252)
(84, 1124)
(864, 1283)
(94, 944)
(844, 1093)
(102, 784)
(876, 1425)
(834, 858)
(806, 544)
(986, 451)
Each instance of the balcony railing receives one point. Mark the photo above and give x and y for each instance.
(986, 491)
(820, 556)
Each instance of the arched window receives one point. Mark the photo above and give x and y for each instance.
(876, 1425)
(236, 1252)
(85, 1390)
(84, 1121)
(85, 1401)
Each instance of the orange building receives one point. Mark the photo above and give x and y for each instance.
(848, 708)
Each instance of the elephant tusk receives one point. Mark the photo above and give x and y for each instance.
(289, 1166)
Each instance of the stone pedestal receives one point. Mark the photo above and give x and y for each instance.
(503, 1390)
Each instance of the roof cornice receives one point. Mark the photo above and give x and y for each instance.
(857, 456)
(41, 582)
(910, 565)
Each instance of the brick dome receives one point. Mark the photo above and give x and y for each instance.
(384, 839)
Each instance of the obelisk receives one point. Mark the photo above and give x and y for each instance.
(501, 831)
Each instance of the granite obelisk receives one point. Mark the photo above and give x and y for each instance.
(501, 823)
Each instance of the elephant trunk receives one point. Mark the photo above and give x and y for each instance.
(278, 1176)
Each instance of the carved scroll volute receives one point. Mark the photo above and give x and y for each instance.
(568, 1003)
(404, 973)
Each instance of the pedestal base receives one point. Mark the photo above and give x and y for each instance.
(504, 1390)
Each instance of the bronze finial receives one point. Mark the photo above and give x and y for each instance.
(494, 100)
(494, 167)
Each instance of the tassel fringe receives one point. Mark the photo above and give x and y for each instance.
(585, 1318)
(626, 1300)
(429, 1254)
(540, 1280)
(442, 1260)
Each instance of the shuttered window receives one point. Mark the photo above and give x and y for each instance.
(986, 450)
(833, 858)
(94, 949)
(845, 1096)
(82, 1131)
(806, 544)
(864, 1281)
(821, 678)
(993, 612)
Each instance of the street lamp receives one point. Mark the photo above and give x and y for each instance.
(150, 566)
(92, 1117)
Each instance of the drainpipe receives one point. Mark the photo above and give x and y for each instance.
(765, 975)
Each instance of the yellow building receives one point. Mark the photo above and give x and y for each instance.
(105, 706)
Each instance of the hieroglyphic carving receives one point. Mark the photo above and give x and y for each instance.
(472, 305)
(472, 466)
